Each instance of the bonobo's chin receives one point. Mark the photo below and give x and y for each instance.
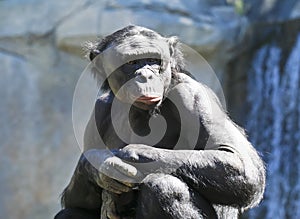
(147, 102)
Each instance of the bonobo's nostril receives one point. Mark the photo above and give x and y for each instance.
(143, 75)
(142, 78)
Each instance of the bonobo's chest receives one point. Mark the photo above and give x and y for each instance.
(120, 127)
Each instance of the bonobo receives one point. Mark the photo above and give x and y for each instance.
(158, 144)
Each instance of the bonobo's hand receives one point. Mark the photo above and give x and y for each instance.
(114, 175)
(146, 159)
(139, 153)
(149, 159)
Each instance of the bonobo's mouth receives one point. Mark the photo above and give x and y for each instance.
(149, 100)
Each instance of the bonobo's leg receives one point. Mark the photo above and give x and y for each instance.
(77, 213)
(167, 197)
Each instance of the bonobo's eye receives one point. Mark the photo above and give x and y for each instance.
(154, 61)
(149, 61)
(133, 62)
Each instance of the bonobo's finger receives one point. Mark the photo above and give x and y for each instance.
(131, 185)
(137, 153)
(113, 173)
(112, 214)
(108, 208)
(112, 185)
(117, 187)
(121, 166)
(114, 166)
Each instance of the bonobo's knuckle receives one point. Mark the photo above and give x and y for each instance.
(104, 169)
(103, 181)
(104, 178)
(111, 160)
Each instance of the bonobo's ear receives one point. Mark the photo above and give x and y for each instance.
(173, 41)
(91, 49)
(97, 68)
(93, 54)
(177, 61)
(99, 73)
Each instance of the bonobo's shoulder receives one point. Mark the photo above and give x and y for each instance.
(186, 85)
(185, 79)
(190, 92)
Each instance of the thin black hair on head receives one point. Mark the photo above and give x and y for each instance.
(114, 37)
(117, 37)
(94, 48)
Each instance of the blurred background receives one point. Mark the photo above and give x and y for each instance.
(252, 45)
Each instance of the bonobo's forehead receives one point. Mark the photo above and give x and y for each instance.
(137, 30)
(134, 43)
(139, 40)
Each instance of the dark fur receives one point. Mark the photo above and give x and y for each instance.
(216, 181)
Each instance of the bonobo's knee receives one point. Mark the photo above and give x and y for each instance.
(76, 213)
(168, 187)
(163, 194)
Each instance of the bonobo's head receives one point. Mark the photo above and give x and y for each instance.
(137, 64)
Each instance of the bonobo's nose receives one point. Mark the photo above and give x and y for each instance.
(143, 75)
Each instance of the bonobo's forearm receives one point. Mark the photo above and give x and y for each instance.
(218, 175)
(82, 191)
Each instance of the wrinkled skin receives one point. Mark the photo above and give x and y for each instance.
(218, 175)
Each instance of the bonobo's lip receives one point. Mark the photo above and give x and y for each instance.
(149, 100)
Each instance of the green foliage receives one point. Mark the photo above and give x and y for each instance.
(239, 7)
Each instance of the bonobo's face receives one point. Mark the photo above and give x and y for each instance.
(141, 82)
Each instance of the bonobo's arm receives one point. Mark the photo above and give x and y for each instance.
(98, 169)
(220, 176)
(82, 190)
(229, 172)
